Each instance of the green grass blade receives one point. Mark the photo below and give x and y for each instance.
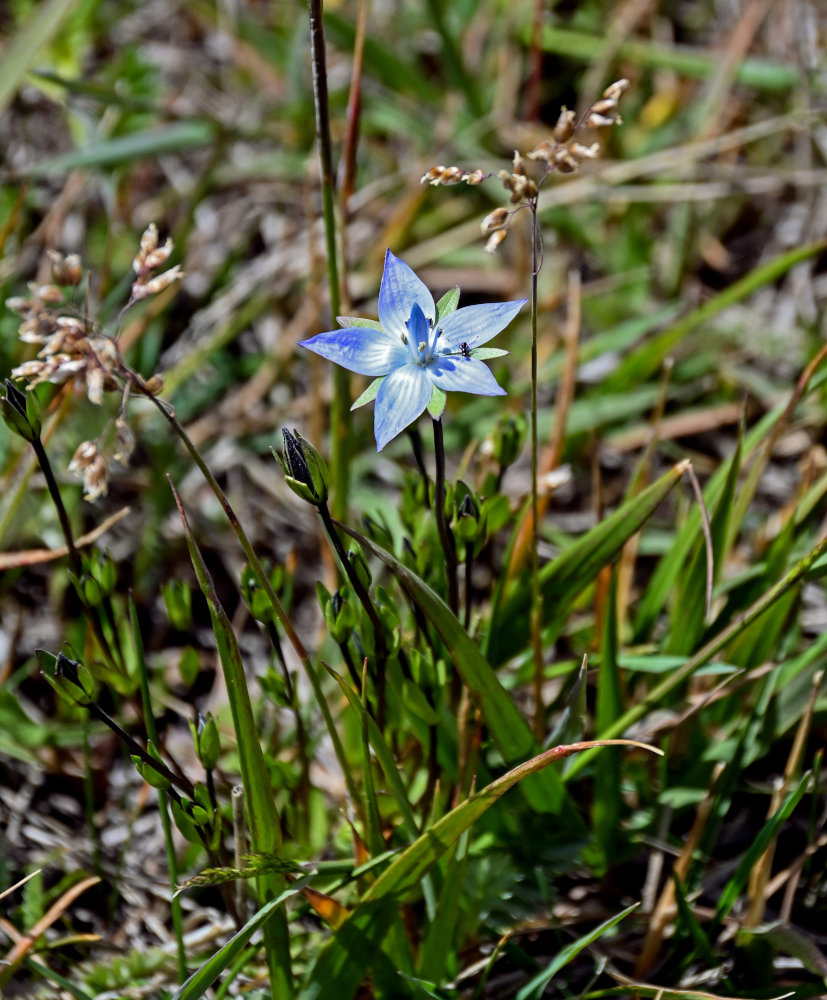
(263, 819)
(606, 806)
(344, 959)
(162, 139)
(534, 989)
(661, 691)
(508, 728)
(41, 26)
(567, 575)
(648, 359)
(201, 980)
(735, 886)
(439, 939)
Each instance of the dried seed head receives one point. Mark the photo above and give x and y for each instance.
(124, 441)
(89, 463)
(157, 257)
(152, 385)
(495, 220)
(519, 165)
(47, 294)
(585, 152)
(65, 270)
(162, 281)
(564, 129)
(476, 177)
(495, 239)
(602, 121)
(565, 161)
(616, 90)
(544, 150)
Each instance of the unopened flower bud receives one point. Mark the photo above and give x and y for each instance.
(205, 737)
(150, 774)
(73, 681)
(508, 437)
(21, 412)
(357, 560)
(181, 816)
(468, 516)
(304, 469)
(340, 616)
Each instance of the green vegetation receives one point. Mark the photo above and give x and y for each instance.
(529, 703)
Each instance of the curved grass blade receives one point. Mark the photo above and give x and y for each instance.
(567, 575)
(533, 989)
(201, 980)
(344, 959)
(263, 819)
(42, 24)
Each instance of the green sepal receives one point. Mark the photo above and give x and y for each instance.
(436, 404)
(21, 412)
(177, 597)
(73, 681)
(369, 394)
(447, 304)
(371, 324)
(487, 353)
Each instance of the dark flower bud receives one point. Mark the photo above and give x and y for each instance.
(340, 616)
(304, 469)
(21, 412)
(507, 440)
(71, 680)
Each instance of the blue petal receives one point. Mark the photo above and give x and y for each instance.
(359, 349)
(402, 396)
(399, 290)
(475, 325)
(464, 375)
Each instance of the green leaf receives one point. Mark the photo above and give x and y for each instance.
(508, 728)
(344, 958)
(533, 989)
(199, 982)
(370, 393)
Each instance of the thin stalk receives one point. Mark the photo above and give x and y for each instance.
(445, 536)
(89, 799)
(255, 562)
(340, 409)
(169, 844)
(74, 556)
(370, 611)
(469, 569)
(419, 458)
(536, 592)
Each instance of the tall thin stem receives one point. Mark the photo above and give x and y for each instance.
(536, 593)
(445, 536)
(340, 409)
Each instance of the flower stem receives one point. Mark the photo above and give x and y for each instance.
(340, 409)
(370, 611)
(264, 580)
(445, 536)
(419, 458)
(536, 593)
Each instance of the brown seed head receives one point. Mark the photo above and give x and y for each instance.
(495, 220)
(564, 129)
(495, 239)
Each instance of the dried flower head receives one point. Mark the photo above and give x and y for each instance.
(65, 270)
(89, 463)
(149, 258)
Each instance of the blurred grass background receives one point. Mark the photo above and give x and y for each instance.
(683, 285)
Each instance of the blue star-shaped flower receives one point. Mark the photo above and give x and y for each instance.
(418, 349)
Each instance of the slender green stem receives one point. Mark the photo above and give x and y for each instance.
(370, 611)
(536, 592)
(419, 458)
(89, 798)
(74, 556)
(255, 562)
(469, 569)
(445, 536)
(340, 409)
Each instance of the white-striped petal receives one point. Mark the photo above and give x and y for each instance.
(464, 375)
(399, 290)
(475, 325)
(359, 349)
(402, 396)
